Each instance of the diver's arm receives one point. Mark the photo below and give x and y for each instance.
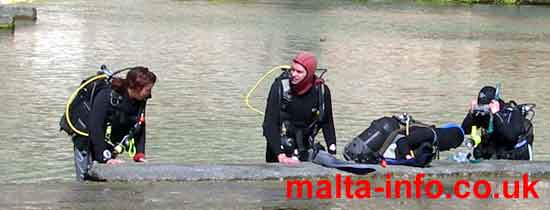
(140, 144)
(417, 136)
(467, 123)
(403, 148)
(97, 125)
(272, 125)
(328, 123)
(140, 147)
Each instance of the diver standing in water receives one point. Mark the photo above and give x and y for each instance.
(298, 105)
(107, 117)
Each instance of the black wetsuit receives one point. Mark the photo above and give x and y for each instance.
(508, 126)
(444, 138)
(121, 113)
(300, 110)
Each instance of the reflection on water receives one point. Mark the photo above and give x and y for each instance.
(382, 58)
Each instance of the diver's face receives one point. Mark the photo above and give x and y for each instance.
(144, 93)
(298, 73)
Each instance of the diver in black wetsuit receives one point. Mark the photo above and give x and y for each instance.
(295, 111)
(400, 140)
(505, 132)
(423, 142)
(117, 111)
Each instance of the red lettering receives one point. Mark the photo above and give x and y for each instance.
(529, 187)
(338, 186)
(364, 189)
(299, 189)
(407, 188)
(418, 182)
(487, 188)
(439, 188)
(325, 189)
(433, 189)
(506, 191)
(457, 189)
(348, 183)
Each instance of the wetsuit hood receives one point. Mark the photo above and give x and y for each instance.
(308, 61)
(486, 94)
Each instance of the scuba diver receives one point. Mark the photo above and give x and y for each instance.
(499, 130)
(400, 140)
(420, 146)
(298, 106)
(106, 116)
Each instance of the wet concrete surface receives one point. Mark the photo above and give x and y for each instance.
(264, 195)
(258, 172)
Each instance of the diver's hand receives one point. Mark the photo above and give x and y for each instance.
(332, 149)
(115, 161)
(473, 104)
(140, 158)
(408, 157)
(494, 106)
(286, 160)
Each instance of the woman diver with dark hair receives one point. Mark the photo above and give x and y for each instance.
(115, 121)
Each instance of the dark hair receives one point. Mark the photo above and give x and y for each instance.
(137, 78)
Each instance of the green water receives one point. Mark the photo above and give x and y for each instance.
(383, 58)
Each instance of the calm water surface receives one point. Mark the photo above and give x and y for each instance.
(383, 58)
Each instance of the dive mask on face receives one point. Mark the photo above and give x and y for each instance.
(481, 110)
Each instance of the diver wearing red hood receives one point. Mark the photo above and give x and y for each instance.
(306, 61)
(293, 117)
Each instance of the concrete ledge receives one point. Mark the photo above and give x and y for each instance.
(258, 172)
(6, 22)
(19, 12)
(8, 15)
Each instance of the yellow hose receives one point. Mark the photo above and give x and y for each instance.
(475, 135)
(247, 98)
(71, 99)
(131, 148)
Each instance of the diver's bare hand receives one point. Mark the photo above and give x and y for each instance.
(494, 106)
(287, 160)
(473, 104)
(115, 161)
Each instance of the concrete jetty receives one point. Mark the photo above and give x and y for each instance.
(263, 171)
(6, 21)
(8, 15)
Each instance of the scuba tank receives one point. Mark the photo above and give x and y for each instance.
(74, 119)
